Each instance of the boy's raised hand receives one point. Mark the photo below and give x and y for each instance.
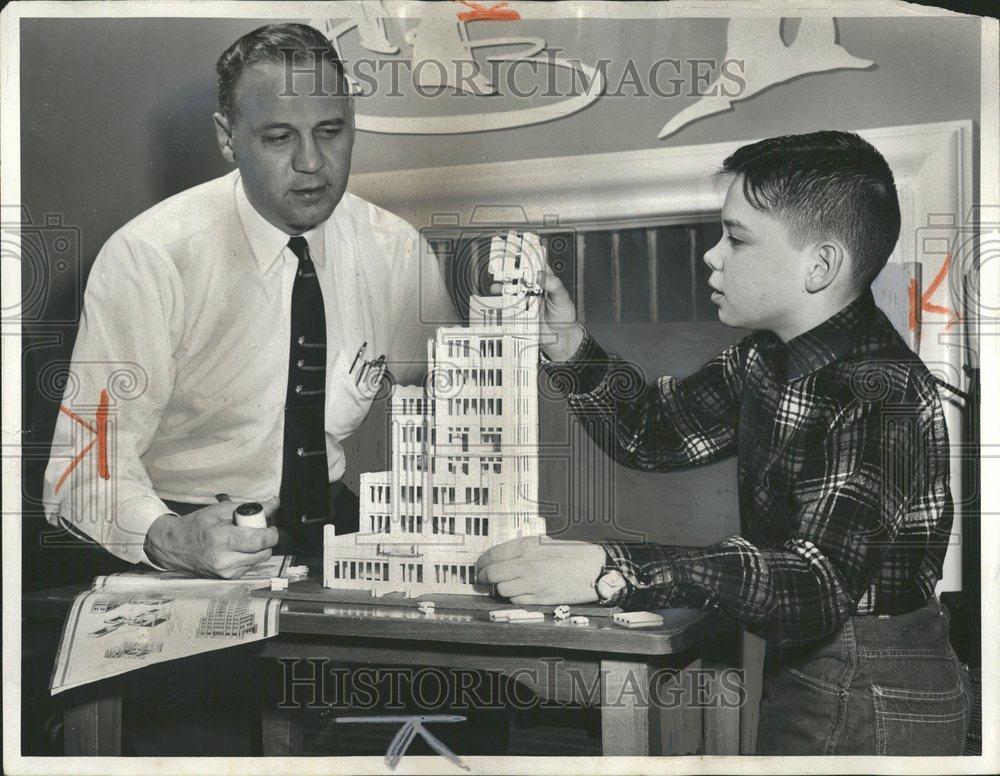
(561, 334)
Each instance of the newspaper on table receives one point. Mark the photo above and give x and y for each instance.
(133, 619)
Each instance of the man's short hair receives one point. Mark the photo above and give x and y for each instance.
(825, 184)
(278, 43)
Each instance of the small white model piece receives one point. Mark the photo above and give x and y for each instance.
(464, 449)
(561, 612)
(501, 615)
(250, 515)
(524, 616)
(579, 620)
(279, 583)
(637, 619)
(426, 607)
(297, 573)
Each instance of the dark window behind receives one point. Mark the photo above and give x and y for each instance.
(651, 274)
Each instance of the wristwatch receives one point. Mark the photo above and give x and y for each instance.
(608, 585)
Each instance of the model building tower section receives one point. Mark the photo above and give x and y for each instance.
(464, 462)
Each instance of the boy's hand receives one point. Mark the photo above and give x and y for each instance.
(539, 570)
(561, 334)
(207, 543)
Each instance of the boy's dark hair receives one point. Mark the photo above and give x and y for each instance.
(825, 184)
(278, 43)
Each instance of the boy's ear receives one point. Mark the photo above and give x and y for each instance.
(827, 260)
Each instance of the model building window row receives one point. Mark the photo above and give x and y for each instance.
(412, 572)
(411, 433)
(466, 575)
(486, 378)
(443, 495)
(369, 570)
(380, 494)
(411, 406)
(475, 406)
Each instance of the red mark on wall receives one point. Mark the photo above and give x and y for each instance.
(495, 13)
(100, 431)
(925, 305)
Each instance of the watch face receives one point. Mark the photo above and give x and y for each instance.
(609, 584)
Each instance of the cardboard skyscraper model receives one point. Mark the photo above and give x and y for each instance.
(464, 449)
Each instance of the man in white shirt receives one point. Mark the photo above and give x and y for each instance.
(185, 366)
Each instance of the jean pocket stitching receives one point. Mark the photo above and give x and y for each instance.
(900, 717)
(818, 684)
(898, 693)
(914, 653)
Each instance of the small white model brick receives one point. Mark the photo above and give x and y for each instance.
(561, 612)
(502, 615)
(523, 616)
(579, 620)
(637, 619)
(464, 449)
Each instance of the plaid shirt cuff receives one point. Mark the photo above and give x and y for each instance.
(583, 372)
(648, 571)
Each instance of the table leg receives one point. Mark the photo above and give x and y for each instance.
(280, 726)
(93, 726)
(722, 721)
(630, 722)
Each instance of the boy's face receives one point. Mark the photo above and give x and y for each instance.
(757, 272)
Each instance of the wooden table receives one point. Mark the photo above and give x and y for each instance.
(626, 665)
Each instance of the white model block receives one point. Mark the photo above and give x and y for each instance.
(561, 612)
(279, 583)
(637, 619)
(502, 615)
(525, 616)
(463, 472)
(579, 620)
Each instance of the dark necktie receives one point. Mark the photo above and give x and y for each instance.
(305, 475)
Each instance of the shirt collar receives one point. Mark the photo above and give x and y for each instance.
(824, 344)
(268, 241)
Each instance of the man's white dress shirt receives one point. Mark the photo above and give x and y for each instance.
(185, 327)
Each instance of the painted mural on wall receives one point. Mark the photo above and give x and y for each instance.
(768, 61)
(440, 56)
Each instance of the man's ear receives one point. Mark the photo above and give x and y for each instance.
(224, 137)
(826, 261)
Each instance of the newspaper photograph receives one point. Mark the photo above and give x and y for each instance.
(500, 386)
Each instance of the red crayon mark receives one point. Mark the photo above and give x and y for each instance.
(925, 301)
(495, 13)
(101, 434)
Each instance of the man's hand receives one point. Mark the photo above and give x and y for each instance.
(561, 334)
(207, 543)
(539, 570)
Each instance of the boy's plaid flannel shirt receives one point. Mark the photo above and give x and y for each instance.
(845, 505)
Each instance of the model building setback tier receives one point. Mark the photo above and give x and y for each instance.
(464, 449)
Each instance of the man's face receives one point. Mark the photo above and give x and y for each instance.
(757, 272)
(294, 152)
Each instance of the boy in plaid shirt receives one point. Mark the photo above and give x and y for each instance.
(845, 506)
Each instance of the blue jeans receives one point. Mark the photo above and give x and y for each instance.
(882, 685)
